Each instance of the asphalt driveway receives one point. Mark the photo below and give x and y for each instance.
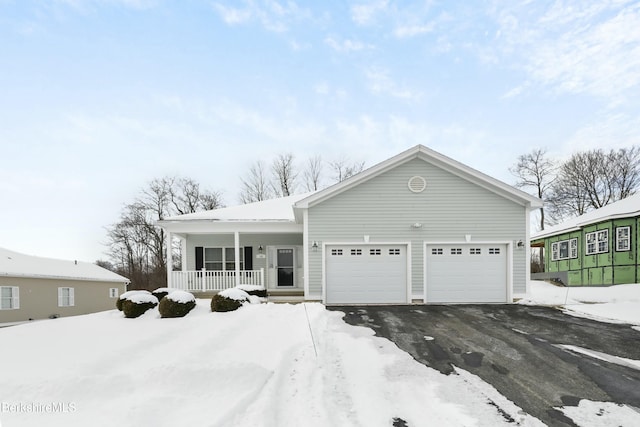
(517, 349)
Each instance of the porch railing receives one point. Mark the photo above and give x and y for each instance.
(204, 281)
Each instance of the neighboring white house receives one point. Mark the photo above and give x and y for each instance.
(418, 227)
(39, 288)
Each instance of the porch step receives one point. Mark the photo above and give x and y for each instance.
(286, 299)
(285, 292)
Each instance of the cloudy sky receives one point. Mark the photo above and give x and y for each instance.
(98, 97)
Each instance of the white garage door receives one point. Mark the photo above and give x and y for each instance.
(366, 274)
(462, 273)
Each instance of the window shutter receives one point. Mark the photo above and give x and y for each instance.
(71, 297)
(248, 258)
(199, 258)
(15, 295)
(60, 297)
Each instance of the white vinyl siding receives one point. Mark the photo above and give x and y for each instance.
(66, 297)
(384, 209)
(597, 242)
(9, 298)
(564, 249)
(623, 239)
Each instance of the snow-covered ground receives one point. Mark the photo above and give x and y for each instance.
(263, 365)
(258, 366)
(617, 304)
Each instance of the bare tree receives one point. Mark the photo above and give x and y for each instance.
(534, 170)
(256, 186)
(593, 179)
(343, 168)
(312, 174)
(187, 197)
(626, 162)
(284, 175)
(137, 248)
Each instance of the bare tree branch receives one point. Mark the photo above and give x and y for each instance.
(256, 186)
(284, 175)
(312, 174)
(536, 171)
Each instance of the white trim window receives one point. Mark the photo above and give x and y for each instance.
(623, 239)
(564, 249)
(9, 298)
(66, 297)
(597, 242)
(113, 292)
(222, 259)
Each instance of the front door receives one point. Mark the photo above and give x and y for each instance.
(285, 266)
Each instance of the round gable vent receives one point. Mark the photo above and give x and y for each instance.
(417, 184)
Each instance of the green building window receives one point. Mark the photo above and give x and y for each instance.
(597, 242)
(564, 249)
(623, 239)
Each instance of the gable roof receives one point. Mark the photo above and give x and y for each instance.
(15, 264)
(628, 207)
(435, 158)
(272, 210)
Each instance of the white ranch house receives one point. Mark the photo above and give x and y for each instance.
(419, 227)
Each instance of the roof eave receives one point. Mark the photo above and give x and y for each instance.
(433, 157)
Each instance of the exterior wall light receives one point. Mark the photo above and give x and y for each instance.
(416, 225)
(260, 249)
(520, 244)
(314, 246)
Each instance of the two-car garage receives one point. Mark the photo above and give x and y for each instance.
(380, 273)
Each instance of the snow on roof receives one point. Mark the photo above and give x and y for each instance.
(622, 208)
(280, 209)
(15, 264)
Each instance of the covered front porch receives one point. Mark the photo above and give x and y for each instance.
(258, 243)
(211, 262)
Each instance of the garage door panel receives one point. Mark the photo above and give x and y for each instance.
(460, 273)
(366, 274)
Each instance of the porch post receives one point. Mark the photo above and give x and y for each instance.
(236, 236)
(168, 238)
(183, 245)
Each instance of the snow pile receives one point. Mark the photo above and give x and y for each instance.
(235, 294)
(264, 365)
(167, 290)
(180, 296)
(128, 294)
(618, 303)
(142, 298)
(250, 288)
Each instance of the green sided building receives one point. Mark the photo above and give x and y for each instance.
(598, 248)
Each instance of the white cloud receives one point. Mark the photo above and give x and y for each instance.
(322, 88)
(272, 15)
(231, 15)
(346, 45)
(579, 47)
(380, 83)
(366, 13)
(609, 130)
(407, 31)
